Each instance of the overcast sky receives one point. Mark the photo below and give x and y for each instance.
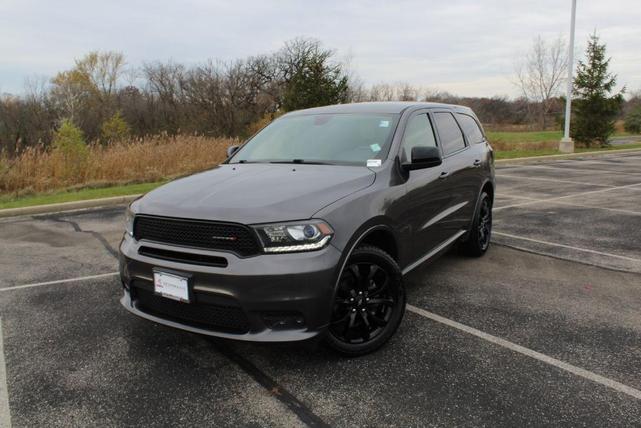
(463, 47)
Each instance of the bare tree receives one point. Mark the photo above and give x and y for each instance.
(103, 69)
(399, 91)
(540, 73)
(382, 92)
(407, 92)
(70, 90)
(165, 84)
(36, 88)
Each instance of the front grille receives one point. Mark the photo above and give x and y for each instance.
(230, 319)
(235, 238)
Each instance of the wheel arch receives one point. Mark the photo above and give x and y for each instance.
(378, 229)
(378, 232)
(488, 187)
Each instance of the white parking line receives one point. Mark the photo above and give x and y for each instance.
(627, 186)
(505, 195)
(554, 244)
(5, 415)
(617, 386)
(582, 169)
(60, 281)
(554, 180)
(616, 210)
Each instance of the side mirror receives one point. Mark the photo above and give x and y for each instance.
(425, 157)
(231, 150)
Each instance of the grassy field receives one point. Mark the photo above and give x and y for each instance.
(7, 201)
(513, 154)
(524, 137)
(519, 137)
(518, 144)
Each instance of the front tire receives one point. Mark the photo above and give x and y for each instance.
(369, 303)
(478, 240)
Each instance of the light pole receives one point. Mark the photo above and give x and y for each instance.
(567, 145)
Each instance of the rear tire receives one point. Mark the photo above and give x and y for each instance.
(478, 239)
(369, 303)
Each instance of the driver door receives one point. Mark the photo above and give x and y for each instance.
(426, 196)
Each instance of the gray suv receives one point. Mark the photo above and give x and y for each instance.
(308, 228)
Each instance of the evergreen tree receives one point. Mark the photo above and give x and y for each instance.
(595, 108)
(311, 78)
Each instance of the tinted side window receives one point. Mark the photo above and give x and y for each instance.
(451, 136)
(470, 128)
(418, 132)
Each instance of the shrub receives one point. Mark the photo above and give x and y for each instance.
(115, 128)
(632, 122)
(69, 145)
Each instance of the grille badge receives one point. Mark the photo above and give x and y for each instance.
(224, 238)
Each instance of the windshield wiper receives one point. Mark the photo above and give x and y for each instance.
(302, 161)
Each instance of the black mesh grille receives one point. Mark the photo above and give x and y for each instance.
(230, 319)
(210, 235)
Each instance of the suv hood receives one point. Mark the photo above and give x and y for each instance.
(256, 193)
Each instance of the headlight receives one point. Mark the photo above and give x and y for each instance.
(129, 222)
(296, 236)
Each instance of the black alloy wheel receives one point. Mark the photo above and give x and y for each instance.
(485, 224)
(478, 240)
(369, 302)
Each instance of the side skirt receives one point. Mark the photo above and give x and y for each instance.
(443, 245)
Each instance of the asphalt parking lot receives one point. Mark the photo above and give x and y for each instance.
(544, 330)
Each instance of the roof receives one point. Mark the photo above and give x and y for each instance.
(390, 107)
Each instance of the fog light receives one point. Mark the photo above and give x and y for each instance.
(283, 320)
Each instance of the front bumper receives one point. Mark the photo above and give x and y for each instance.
(272, 297)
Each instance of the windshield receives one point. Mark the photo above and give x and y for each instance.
(349, 139)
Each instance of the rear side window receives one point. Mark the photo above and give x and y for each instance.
(470, 128)
(451, 136)
(418, 132)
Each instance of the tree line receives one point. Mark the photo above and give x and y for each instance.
(107, 100)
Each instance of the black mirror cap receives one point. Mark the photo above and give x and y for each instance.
(425, 157)
(231, 150)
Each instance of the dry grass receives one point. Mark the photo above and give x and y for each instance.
(151, 159)
(619, 127)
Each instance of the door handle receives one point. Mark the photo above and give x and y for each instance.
(444, 174)
(477, 163)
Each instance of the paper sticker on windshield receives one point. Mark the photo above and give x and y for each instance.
(383, 124)
(375, 148)
(373, 163)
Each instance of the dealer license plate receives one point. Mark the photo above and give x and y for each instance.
(171, 286)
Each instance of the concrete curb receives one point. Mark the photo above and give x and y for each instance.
(517, 161)
(68, 206)
(119, 200)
